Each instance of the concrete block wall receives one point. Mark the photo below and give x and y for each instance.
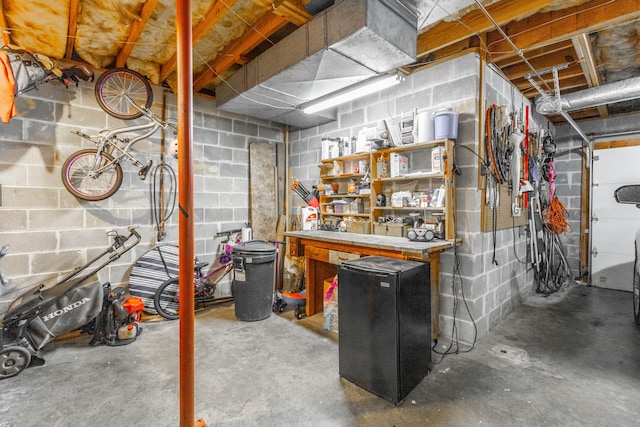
(51, 232)
(492, 285)
(490, 291)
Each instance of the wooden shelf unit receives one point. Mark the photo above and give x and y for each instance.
(420, 178)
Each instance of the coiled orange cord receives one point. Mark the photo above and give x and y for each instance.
(556, 217)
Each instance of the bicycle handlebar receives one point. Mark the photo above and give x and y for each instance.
(228, 232)
(280, 242)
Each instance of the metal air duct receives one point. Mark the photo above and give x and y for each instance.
(342, 45)
(610, 93)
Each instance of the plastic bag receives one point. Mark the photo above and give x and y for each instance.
(331, 306)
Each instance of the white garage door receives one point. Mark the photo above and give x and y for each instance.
(613, 225)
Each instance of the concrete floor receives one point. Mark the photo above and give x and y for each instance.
(566, 360)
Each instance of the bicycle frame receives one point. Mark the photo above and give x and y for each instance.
(200, 278)
(109, 141)
(167, 297)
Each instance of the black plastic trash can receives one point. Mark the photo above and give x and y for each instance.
(254, 279)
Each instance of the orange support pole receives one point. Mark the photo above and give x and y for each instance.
(185, 214)
(525, 196)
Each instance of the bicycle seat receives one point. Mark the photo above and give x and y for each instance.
(200, 265)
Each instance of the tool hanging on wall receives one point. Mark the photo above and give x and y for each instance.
(497, 145)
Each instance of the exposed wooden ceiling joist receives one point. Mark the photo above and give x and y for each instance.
(73, 24)
(546, 28)
(201, 29)
(584, 50)
(568, 83)
(571, 71)
(291, 10)
(534, 53)
(136, 29)
(557, 58)
(6, 39)
(267, 25)
(449, 32)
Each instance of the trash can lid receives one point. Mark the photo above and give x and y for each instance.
(254, 247)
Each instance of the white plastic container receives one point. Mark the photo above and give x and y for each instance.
(309, 218)
(425, 131)
(445, 124)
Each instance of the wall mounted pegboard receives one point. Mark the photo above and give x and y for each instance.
(501, 217)
(502, 147)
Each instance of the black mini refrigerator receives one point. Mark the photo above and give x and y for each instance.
(384, 324)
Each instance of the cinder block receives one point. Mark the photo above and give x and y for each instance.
(271, 133)
(79, 116)
(30, 198)
(218, 154)
(13, 220)
(352, 118)
(13, 174)
(433, 76)
(232, 140)
(56, 262)
(222, 124)
(466, 87)
(81, 238)
(234, 170)
(35, 108)
(245, 128)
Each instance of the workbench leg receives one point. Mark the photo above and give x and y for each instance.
(310, 285)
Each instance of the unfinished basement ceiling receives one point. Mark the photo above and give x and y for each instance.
(341, 46)
(595, 42)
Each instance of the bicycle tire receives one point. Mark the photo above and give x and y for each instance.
(111, 88)
(166, 301)
(78, 182)
(636, 291)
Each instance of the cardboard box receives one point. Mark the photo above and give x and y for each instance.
(380, 228)
(391, 229)
(399, 165)
(436, 159)
(359, 227)
(397, 230)
(328, 170)
(330, 148)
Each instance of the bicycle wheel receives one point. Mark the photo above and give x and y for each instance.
(166, 299)
(79, 181)
(636, 291)
(112, 87)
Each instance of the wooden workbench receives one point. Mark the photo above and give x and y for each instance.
(324, 250)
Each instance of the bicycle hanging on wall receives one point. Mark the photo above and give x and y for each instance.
(96, 174)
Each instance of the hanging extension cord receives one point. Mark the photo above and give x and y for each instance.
(454, 327)
(456, 274)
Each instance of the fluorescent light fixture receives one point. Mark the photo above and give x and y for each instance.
(358, 90)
